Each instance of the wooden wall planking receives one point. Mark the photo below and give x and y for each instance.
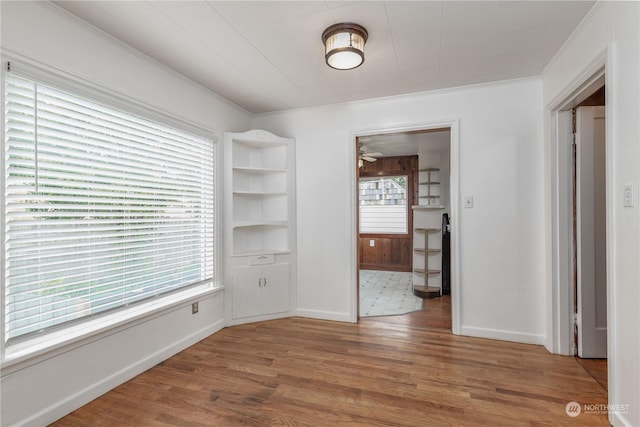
(392, 252)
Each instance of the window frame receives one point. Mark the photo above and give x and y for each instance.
(372, 171)
(24, 352)
(409, 204)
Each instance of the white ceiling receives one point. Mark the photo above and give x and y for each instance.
(268, 56)
(407, 143)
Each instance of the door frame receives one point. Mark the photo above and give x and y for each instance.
(454, 217)
(560, 307)
(560, 295)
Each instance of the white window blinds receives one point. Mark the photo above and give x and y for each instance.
(384, 205)
(102, 208)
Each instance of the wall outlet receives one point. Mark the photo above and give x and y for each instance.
(194, 308)
(372, 243)
(628, 196)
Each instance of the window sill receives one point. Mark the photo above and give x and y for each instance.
(29, 352)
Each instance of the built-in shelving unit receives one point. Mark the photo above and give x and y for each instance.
(259, 223)
(426, 234)
(427, 182)
(423, 289)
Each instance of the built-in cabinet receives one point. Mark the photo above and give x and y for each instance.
(259, 225)
(260, 290)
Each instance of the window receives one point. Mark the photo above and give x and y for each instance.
(383, 205)
(103, 208)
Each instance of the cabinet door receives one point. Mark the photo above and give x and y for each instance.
(276, 289)
(247, 292)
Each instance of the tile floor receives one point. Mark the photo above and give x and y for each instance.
(384, 293)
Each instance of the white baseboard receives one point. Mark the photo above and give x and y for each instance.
(325, 315)
(618, 420)
(498, 334)
(82, 397)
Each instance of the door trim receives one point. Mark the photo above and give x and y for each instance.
(560, 291)
(454, 193)
(560, 304)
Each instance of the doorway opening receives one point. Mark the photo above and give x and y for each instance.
(589, 230)
(404, 190)
(580, 157)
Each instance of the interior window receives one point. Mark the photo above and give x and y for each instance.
(383, 205)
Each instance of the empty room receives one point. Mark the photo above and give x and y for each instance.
(376, 213)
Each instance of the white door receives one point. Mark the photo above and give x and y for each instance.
(591, 232)
(275, 288)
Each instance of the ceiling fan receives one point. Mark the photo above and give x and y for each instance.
(366, 155)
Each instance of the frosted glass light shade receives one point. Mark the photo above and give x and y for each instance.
(344, 45)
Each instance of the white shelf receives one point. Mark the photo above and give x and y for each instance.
(260, 143)
(260, 155)
(260, 199)
(264, 238)
(259, 224)
(260, 181)
(260, 193)
(427, 207)
(258, 171)
(264, 251)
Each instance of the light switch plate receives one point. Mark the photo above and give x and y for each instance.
(372, 243)
(468, 202)
(628, 196)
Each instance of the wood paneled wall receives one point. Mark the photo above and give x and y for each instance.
(391, 252)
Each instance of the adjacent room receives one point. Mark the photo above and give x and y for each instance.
(316, 213)
(403, 210)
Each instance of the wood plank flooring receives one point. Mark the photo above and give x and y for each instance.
(597, 368)
(384, 371)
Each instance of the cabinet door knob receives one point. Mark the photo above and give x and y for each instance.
(260, 282)
(265, 282)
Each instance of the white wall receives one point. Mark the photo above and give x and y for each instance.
(612, 28)
(501, 165)
(40, 393)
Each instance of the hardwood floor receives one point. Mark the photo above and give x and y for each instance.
(384, 371)
(597, 368)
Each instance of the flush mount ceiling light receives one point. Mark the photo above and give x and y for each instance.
(344, 45)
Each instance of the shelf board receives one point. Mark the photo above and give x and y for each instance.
(258, 170)
(258, 224)
(429, 197)
(428, 183)
(264, 251)
(422, 271)
(427, 230)
(429, 170)
(420, 207)
(260, 193)
(431, 251)
(426, 291)
(259, 143)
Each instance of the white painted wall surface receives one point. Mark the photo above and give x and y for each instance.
(613, 28)
(44, 391)
(501, 165)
